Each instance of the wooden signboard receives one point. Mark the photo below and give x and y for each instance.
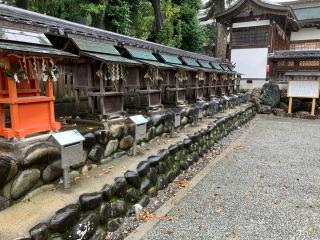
(303, 89)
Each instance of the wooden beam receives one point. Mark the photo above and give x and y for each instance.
(290, 105)
(313, 107)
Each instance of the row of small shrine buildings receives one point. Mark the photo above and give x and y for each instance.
(106, 69)
(273, 41)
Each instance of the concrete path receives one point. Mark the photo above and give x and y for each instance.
(267, 187)
(16, 221)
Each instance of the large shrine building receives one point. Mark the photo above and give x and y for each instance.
(273, 41)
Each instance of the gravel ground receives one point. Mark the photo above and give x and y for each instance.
(267, 188)
(132, 222)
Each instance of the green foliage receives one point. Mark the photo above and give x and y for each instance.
(74, 10)
(193, 34)
(117, 16)
(171, 32)
(181, 27)
(210, 39)
(142, 18)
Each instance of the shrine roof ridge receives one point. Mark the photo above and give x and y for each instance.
(262, 3)
(63, 27)
(227, 15)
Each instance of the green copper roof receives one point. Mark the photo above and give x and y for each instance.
(224, 67)
(141, 54)
(307, 13)
(33, 49)
(97, 47)
(191, 62)
(13, 35)
(216, 66)
(205, 64)
(111, 58)
(173, 59)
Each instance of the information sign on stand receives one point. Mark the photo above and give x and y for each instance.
(303, 89)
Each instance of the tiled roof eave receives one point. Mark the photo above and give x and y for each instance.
(295, 54)
(63, 27)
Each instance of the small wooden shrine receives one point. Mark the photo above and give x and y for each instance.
(220, 80)
(144, 82)
(27, 61)
(209, 81)
(230, 81)
(195, 85)
(175, 80)
(102, 73)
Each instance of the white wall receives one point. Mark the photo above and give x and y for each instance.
(305, 34)
(251, 24)
(254, 84)
(251, 62)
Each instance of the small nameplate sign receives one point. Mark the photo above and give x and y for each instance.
(68, 137)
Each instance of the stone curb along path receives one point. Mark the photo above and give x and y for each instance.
(144, 228)
(98, 212)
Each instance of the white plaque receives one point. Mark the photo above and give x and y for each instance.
(177, 120)
(68, 137)
(303, 89)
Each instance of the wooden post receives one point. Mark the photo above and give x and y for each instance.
(2, 117)
(77, 100)
(313, 107)
(49, 88)
(290, 105)
(101, 98)
(14, 113)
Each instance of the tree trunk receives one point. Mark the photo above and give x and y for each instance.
(157, 15)
(22, 4)
(221, 41)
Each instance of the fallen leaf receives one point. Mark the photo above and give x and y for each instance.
(85, 170)
(181, 183)
(219, 209)
(76, 178)
(145, 216)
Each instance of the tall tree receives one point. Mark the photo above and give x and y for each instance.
(213, 7)
(193, 34)
(22, 4)
(157, 15)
